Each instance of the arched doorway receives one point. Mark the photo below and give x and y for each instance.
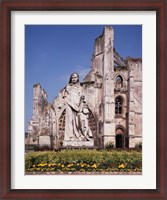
(120, 138)
(119, 141)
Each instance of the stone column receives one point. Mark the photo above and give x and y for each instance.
(131, 106)
(108, 87)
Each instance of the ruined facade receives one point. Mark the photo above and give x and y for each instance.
(113, 91)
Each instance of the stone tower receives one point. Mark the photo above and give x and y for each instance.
(108, 86)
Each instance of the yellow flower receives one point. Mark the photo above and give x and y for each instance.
(121, 166)
(62, 165)
(42, 165)
(94, 166)
(70, 165)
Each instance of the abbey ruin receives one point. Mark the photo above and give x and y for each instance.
(111, 100)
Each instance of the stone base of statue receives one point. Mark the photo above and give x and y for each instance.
(44, 140)
(78, 143)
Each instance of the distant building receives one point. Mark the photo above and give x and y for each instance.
(113, 91)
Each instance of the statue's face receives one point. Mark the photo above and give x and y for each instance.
(74, 78)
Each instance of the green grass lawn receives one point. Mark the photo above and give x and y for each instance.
(84, 161)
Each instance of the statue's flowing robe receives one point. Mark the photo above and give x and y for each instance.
(73, 93)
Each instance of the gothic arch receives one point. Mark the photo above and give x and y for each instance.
(59, 111)
(118, 82)
(61, 125)
(92, 124)
(120, 127)
(121, 75)
(120, 137)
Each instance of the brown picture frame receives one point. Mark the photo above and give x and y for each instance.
(7, 6)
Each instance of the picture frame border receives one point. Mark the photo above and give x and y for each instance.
(5, 103)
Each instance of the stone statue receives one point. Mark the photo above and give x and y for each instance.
(83, 116)
(76, 119)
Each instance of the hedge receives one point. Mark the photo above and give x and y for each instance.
(83, 161)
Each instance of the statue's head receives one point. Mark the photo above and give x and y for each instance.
(74, 78)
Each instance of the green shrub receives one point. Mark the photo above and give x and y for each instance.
(109, 146)
(31, 147)
(138, 145)
(84, 160)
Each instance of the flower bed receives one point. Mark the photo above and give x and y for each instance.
(84, 161)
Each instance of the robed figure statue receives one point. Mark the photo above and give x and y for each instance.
(77, 111)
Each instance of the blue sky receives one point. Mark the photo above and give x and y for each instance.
(53, 52)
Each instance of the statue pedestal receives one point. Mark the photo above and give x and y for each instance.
(76, 143)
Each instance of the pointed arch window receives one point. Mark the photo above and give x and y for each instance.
(119, 82)
(118, 105)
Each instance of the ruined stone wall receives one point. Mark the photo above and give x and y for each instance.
(39, 104)
(97, 58)
(40, 100)
(138, 98)
(135, 101)
(42, 125)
